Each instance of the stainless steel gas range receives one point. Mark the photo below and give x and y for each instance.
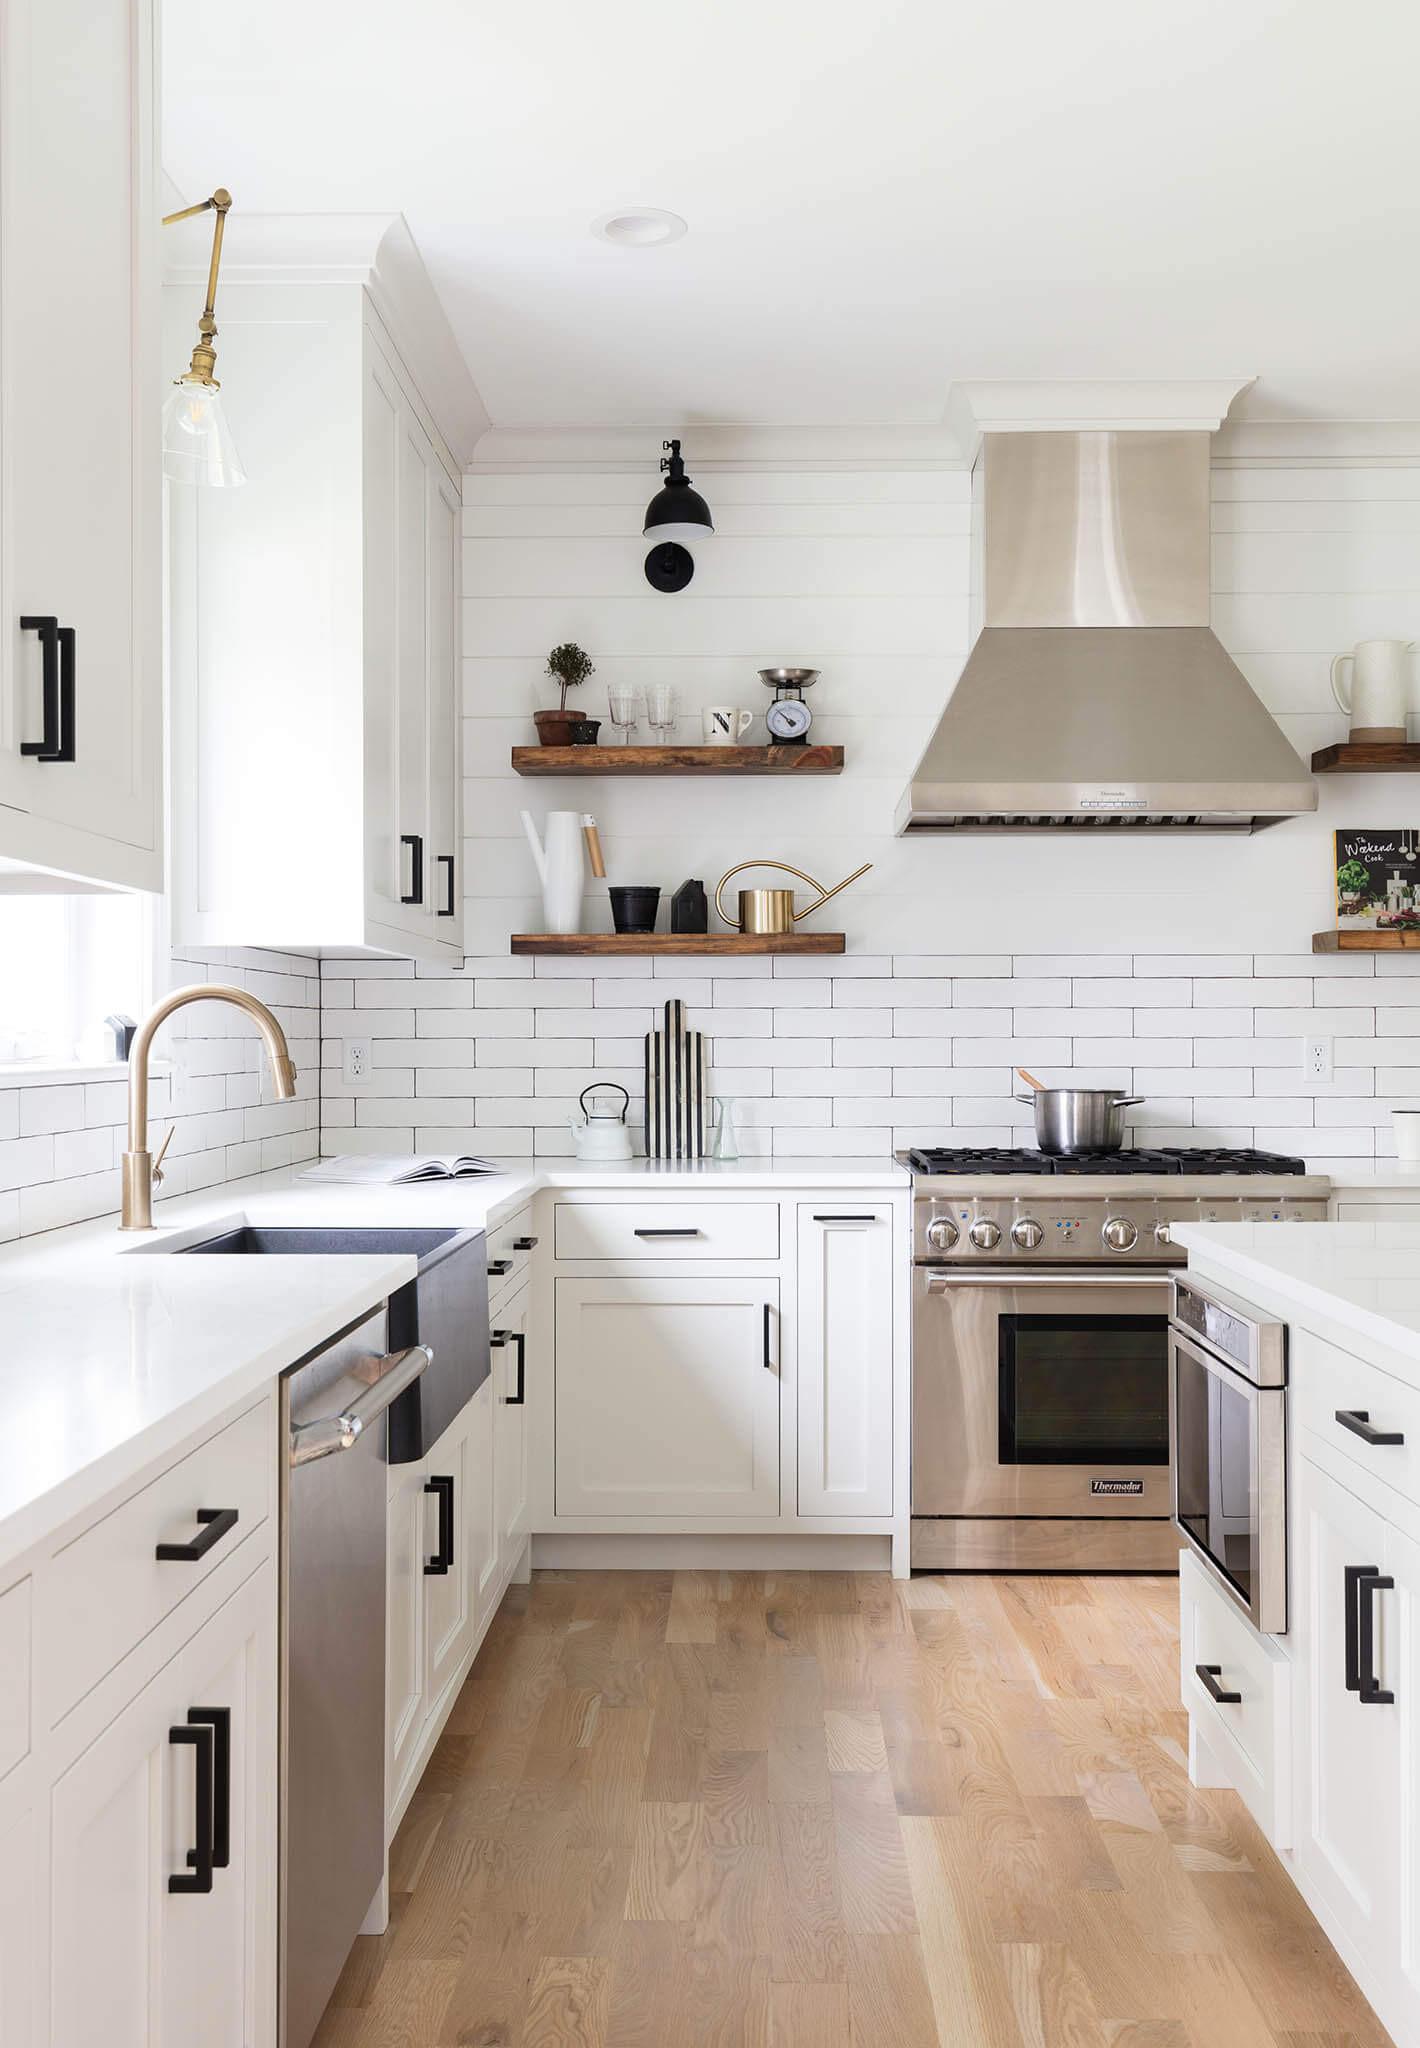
(1041, 1292)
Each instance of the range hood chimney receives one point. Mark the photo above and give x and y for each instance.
(1096, 693)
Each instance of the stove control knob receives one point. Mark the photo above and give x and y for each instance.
(1119, 1234)
(941, 1233)
(984, 1234)
(1026, 1233)
(1161, 1234)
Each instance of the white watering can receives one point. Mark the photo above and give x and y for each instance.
(559, 865)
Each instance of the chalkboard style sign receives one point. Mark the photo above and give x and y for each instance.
(1378, 881)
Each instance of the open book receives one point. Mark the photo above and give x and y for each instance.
(378, 1170)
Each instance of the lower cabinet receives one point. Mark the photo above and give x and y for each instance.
(163, 1852)
(845, 1360)
(1356, 1802)
(668, 1396)
(510, 1432)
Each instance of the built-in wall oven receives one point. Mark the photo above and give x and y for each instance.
(1228, 1390)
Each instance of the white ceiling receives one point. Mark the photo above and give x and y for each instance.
(884, 196)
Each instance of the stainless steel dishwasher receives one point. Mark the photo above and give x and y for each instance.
(333, 1491)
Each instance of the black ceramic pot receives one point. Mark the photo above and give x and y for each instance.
(634, 910)
(584, 732)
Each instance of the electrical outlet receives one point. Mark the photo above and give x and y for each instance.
(1316, 1059)
(357, 1059)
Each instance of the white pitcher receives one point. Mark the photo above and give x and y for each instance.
(559, 868)
(1377, 701)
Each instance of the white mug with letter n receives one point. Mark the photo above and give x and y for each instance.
(724, 724)
(1377, 701)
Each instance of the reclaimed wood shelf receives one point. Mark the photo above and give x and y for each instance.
(694, 944)
(803, 760)
(1366, 942)
(1367, 757)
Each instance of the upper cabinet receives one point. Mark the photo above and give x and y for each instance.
(315, 640)
(80, 391)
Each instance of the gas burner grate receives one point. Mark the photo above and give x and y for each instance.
(972, 1159)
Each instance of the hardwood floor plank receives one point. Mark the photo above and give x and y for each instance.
(695, 1608)
(963, 1965)
(808, 2015)
(888, 1999)
(663, 1864)
(568, 2004)
(642, 1993)
(1052, 2001)
(808, 1938)
(855, 1739)
(872, 1869)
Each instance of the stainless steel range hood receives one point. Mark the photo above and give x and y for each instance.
(1096, 693)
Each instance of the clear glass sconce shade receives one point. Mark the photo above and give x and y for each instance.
(197, 442)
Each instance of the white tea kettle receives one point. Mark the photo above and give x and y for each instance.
(602, 1134)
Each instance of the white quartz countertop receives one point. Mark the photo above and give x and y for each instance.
(113, 1354)
(1358, 1277)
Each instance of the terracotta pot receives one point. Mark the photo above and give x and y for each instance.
(554, 728)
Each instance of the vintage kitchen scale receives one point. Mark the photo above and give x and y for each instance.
(788, 717)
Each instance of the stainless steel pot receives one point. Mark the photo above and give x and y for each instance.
(1069, 1120)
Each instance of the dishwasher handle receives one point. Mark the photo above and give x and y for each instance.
(318, 1439)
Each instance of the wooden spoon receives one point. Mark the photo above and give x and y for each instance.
(1029, 1079)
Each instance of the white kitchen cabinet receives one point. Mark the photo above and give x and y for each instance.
(406, 1663)
(511, 1366)
(132, 1963)
(480, 1517)
(19, 1863)
(315, 644)
(453, 1484)
(845, 1385)
(81, 506)
(667, 1396)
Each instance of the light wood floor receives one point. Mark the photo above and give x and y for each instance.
(703, 1810)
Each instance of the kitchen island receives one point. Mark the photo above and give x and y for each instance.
(1318, 1726)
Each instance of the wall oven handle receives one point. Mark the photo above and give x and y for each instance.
(1208, 1676)
(964, 1276)
(341, 1432)
(1358, 1421)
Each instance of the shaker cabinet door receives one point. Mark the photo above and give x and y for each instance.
(845, 1360)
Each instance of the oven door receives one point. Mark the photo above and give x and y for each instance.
(1040, 1393)
(1230, 1478)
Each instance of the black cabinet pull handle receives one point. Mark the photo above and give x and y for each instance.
(219, 1720)
(216, 1524)
(665, 1233)
(1208, 1676)
(1352, 1575)
(446, 860)
(768, 1316)
(47, 748)
(201, 1736)
(437, 1566)
(501, 1337)
(524, 1244)
(498, 1267)
(414, 841)
(1370, 1692)
(68, 641)
(1358, 1421)
(845, 1219)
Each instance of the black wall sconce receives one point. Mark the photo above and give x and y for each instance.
(675, 515)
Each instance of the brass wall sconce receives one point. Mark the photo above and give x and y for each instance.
(197, 442)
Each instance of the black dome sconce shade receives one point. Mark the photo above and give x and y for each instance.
(669, 566)
(675, 515)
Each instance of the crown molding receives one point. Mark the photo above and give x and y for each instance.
(1025, 406)
(1303, 443)
(710, 447)
(374, 251)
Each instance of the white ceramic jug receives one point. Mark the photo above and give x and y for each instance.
(558, 855)
(1380, 688)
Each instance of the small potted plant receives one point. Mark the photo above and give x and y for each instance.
(569, 666)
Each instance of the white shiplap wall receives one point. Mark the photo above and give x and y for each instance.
(1178, 965)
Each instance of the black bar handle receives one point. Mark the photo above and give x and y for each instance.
(47, 748)
(437, 1567)
(502, 1337)
(446, 860)
(68, 641)
(1370, 1691)
(845, 1219)
(1352, 1577)
(524, 1244)
(497, 1339)
(1358, 1421)
(768, 1314)
(219, 1720)
(665, 1233)
(201, 1736)
(1208, 1676)
(415, 842)
(217, 1522)
(498, 1267)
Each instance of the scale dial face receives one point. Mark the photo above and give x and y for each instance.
(788, 718)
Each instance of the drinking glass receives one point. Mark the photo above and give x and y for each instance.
(625, 707)
(662, 708)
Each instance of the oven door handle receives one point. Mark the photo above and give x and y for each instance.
(966, 1277)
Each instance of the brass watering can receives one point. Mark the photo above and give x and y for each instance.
(772, 910)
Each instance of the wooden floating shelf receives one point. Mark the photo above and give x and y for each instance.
(696, 945)
(805, 760)
(1366, 942)
(1367, 757)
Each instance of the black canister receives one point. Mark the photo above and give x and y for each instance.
(634, 909)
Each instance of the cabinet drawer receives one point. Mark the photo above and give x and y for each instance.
(1326, 1378)
(667, 1230)
(1215, 1636)
(108, 1587)
(14, 1675)
(510, 1250)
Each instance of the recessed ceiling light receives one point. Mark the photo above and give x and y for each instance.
(639, 227)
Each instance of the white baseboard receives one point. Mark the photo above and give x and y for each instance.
(713, 1553)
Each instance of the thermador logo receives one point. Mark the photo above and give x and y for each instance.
(1130, 1486)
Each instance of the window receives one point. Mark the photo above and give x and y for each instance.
(69, 962)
